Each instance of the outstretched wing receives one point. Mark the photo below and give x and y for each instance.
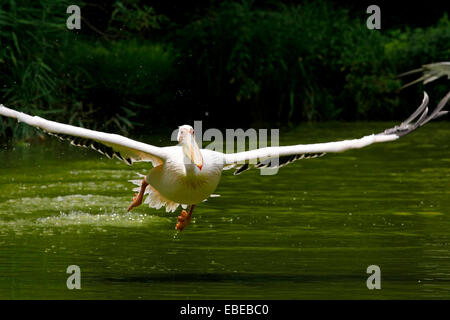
(274, 157)
(430, 72)
(111, 145)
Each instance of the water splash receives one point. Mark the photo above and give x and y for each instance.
(130, 219)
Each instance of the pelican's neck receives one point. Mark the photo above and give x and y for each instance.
(190, 168)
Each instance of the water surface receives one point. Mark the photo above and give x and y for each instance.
(309, 232)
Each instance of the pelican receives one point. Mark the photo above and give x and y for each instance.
(187, 175)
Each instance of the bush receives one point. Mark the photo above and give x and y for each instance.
(30, 40)
(47, 69)
(306, 62)
(239, 63)
(116, 84)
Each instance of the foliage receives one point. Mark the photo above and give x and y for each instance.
(306, 62)
(45, 68)
(116, 84)
(30, 38)
(239, 62)
(135, 18)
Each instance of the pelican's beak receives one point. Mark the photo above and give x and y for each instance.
(192, 151)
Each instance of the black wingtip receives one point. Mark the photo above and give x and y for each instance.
(244, 167)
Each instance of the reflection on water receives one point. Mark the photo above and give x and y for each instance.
(310, 231)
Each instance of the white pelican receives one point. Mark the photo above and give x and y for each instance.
(185, 174)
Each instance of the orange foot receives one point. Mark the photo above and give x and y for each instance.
(137, 201)
(183, 220)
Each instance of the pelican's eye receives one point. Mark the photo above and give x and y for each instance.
(181, 135)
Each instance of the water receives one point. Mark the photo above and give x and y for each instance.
(310, 231)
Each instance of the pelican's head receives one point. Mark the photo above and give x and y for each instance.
(190, 147)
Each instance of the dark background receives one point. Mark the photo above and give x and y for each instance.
(139, 66)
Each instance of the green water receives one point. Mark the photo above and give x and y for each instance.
(308, 232)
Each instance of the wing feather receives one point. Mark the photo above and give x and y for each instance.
(430, 72)
(274, 157)
(111, 145)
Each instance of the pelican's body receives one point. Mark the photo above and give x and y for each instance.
(187, 175)
(182, 182)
